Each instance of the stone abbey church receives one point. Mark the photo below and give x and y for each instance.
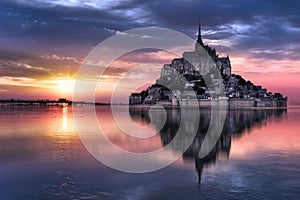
(194, 70)
(198, 62)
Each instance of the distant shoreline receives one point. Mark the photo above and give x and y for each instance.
(46, 102)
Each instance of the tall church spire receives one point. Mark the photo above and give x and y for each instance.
(199, 40)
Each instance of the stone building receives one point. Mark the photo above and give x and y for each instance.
(135, 98)
(198, 62)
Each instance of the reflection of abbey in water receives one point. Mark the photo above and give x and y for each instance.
(202, 73)
(237, 122)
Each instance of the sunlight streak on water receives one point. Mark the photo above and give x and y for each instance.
(65, 119)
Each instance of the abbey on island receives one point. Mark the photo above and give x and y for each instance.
(197, 70)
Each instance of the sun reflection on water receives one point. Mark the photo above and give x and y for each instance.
(65, 119)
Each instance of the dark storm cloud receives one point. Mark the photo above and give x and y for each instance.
(51, 26)
(270, 24)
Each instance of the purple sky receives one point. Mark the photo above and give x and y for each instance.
(43, 42)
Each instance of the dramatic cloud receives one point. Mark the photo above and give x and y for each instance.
(16, 64)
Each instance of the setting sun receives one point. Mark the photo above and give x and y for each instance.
(65, 86)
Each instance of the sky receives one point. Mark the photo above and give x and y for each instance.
(44, 42)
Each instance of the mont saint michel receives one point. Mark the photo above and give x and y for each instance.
(206, 74)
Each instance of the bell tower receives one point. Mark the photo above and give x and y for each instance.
(199, 46)
(199, 40)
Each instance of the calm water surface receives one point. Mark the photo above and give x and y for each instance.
(256, 157)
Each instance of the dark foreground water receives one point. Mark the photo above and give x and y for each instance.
(256, 157)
